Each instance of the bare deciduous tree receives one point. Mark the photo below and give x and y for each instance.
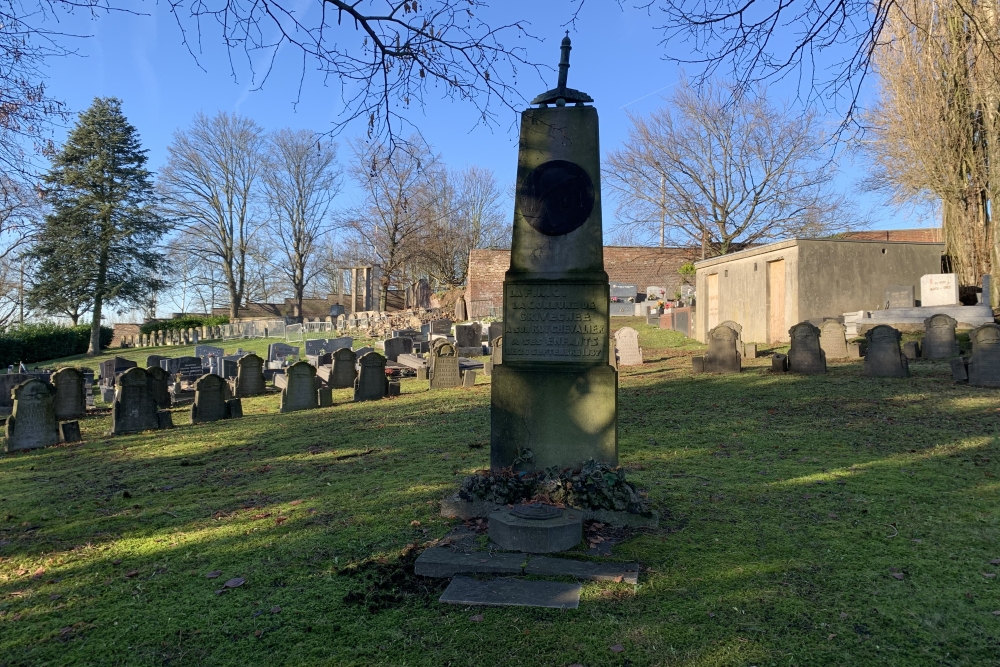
(935, 124)
(388, 223)
(210, 186)
(300, 183)
(463, 212)
(723, 174)
(383, 54)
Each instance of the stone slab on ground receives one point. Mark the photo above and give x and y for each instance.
(442, 562)
(454, 507)
(546, 566)
(512, 592)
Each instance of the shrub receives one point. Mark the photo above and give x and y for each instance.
(190, 322)
(31, 343)
(595, 486)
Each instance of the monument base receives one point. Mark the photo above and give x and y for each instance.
(564, 416)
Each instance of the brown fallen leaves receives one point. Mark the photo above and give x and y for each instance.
(617, 648)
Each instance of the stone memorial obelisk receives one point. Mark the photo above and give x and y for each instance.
(555, 396)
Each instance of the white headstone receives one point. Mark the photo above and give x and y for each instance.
(939, 289)
(627, 343)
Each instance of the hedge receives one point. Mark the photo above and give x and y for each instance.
(31, 343)
(190, 322)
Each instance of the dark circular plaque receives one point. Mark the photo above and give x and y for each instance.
(556, 197)
(536, 512)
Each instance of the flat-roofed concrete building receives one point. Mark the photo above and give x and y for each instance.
(769, 288)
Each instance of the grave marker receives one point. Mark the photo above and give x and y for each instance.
(898, 296)
(627, 345)
(249, 376)
(397, 346)
(884, 358)
(372, 384)
(805, 355)
(939, 337)
(984, 362)
(134, 408)
(211, 394)
(32, 424)
(300, 388)
(443, 366)
(722, 355)
(939, 289)
(833, 339)
(70, 399)
(159, 383)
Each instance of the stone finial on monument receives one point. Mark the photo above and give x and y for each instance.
(442, 366)
(71, 399)
(159, 383)
(805, 354)
(556, 297)
(134, 408)
(33, 423)
(833, 339)
(249, 376)
(939, 337)
(722, 355)
(372, 384)
(627, 344)
(883, 357)
(300, 388)
(984, 362)
(211, 394)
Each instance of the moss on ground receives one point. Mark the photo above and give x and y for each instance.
(833, 520)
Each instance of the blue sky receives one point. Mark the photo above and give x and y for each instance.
(617, 58)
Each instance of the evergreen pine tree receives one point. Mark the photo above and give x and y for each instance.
(99, 239)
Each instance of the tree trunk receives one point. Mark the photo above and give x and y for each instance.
(95, 322)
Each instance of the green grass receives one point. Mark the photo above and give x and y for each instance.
(787, 502)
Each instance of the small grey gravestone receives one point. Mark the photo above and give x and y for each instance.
(210, 395)
(469, 335)
(316, 346)
(939, 337)
(134, 408)
(397, 346)
(159, 384)
(441, 327)
(69, 431)
(280, 351)
(899, 296)
(469, 379)
(249, 376)
(959, 369)
(698, 364)
(884, 358)
(496, 355)
(738, 328)
(627, 344)
(495, 331)
(71, 399)
(234, 406)
(204, 351)
(984, 362)
(394, 388)
(442, 368)
(833, 339)
(33, 422)
(300, 388)
(344, 371)
(154, 360)
(805, 354)
(722, 355)
(324, 395)
(372, 384)
(911, 349)
(779, 363)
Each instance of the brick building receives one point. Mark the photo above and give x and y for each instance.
(924, 235)
(642, 267)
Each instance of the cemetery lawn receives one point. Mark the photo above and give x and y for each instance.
(824, 520)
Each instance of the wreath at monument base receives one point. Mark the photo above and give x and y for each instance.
(594, 486)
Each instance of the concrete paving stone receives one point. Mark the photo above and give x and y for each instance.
(512, 592)
(443, 562)
(549, 567)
